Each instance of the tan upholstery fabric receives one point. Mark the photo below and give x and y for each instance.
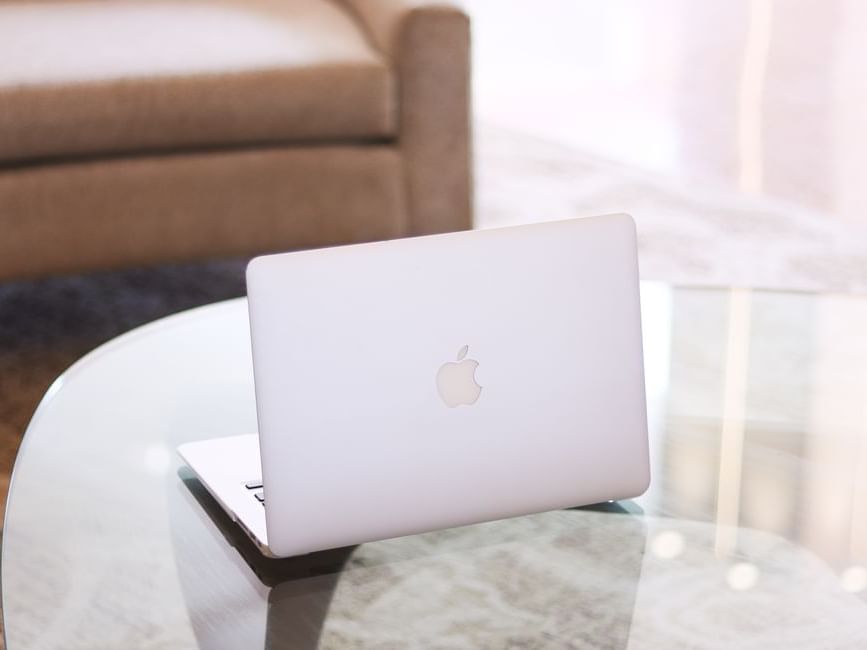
(352, 118)
(428, 42)
(165, 208)
(126, 76)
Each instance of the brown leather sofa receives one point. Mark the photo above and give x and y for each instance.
(143, 131)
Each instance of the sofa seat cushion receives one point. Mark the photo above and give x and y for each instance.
(130, 75)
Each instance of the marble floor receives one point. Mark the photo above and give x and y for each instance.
(757, 96)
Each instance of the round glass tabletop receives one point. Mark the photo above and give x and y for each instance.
(753, 534)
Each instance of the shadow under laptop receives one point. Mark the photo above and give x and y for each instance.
(558, 579)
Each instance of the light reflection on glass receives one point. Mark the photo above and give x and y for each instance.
(667, 545)
(742, 576)
(854, 579)
(762, 423)
(733, 416)
(157, 459)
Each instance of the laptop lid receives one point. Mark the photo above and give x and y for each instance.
(430, 382)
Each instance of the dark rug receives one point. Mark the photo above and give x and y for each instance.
(46, 325)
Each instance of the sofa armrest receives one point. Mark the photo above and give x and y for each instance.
(428, 43)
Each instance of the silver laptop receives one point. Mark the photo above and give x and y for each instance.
(424, 383)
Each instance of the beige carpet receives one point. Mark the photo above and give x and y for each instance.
(689, 235)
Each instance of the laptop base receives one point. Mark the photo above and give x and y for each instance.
(225, 467)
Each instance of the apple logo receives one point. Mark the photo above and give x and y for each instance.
(456, 381)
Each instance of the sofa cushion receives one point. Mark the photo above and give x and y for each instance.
(130, 75)
(93, 214)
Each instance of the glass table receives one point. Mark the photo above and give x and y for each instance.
(752, 535)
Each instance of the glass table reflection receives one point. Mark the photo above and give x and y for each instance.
(753, 534)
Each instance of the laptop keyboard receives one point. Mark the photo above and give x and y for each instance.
(256, 488)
